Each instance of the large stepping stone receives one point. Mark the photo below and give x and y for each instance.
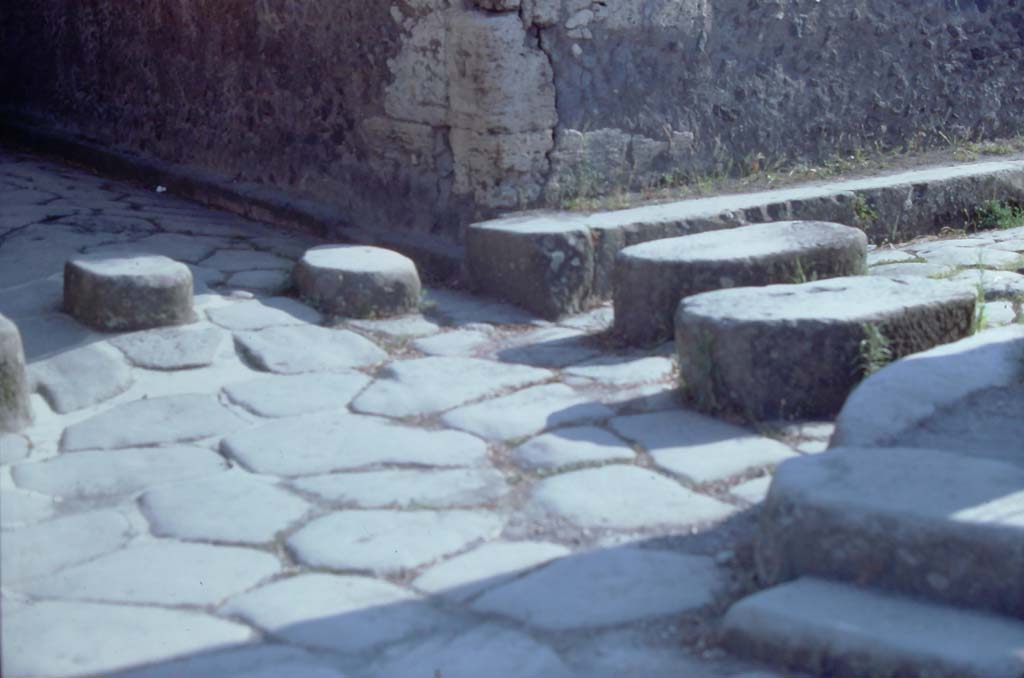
(926, 523)
(118, 293)
(15, 410)
(789, 351)
(358, 281)
(652, 277)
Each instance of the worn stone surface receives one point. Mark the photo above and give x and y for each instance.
(172, 348)
(81, 377)
(408, 488)
(15, 408)
(290, 395)
(13, 448)
(486, 567)
(274, 349)
(358, 281)
(572, 446)
(257, 314)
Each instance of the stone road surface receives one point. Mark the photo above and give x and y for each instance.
(467, 491)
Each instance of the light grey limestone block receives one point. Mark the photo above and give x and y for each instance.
(82, 377)
(15, 408)
(358, 281)
(171, 348)
(307, 348)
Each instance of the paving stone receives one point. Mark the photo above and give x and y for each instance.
(171, 348)
(267, 282)
(953, 253)
(412, 325)
(113, 293)
(187, 248)
(878, 257)
(995, 285)
(486, 567)
(549, 347)
(41, 549)
(13, 448)
(461, 342)
(571, 446)
(336, 613)
(389, 542)
(100, 473)
(913, 268)
(161, 573)
(47, 334)
(286, 396)
(15, 408)
(274, 349)
(51, 638)
(596, 320)
(429, 385)
(409, 488)
(651, 278)
(623, 370)
(837, 629)
(698, 448)
(753, 490)
(791, 351)
(19, 508)
(45, 295)
(233, 260)
(40, 251)
(152, 421)
(999, 313)
(257, 314)
(244, 661)
(81, 377)
(459, 308)
(636, 652)
(526, 412)
(358, 281)
(321, 443)
(927, 523)
(622, 498)
(606, 587)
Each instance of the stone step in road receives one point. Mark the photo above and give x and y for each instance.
(835, 629)
(358, 281)
(652, 277)
(15, 409)
(925, 523)
(557, 263)
(796, 351)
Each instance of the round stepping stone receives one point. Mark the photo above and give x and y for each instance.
(789, 351)
(120, 293)
(358, 281)
(652, 277)
(15, 410)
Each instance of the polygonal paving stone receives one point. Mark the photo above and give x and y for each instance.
(699, 448)
(307, 348)
(754, 490)
(231, 260)
(358, 281)
(250, 660)
(19, 508)
(171, 348)
(389, 542)
(232, 507)
(460, 342)
(81, 377)
(409, 488)
(101, 473)
(526, 412)
(428, 385)
(607, 587)
(334, 441)
(549, 347)
(461, 308)
(15, 408)
(912, 268)
(285, 396)
(994, 284)
(337, 613)
(878, 257)
(152, 421)
(13, 448)
(572, 446)
(51, 333)
(412, 325)
(954, 253)
(617, 371)
(189, 248)
(257, 314)
(624, 498)
(490, 565)
(162, 573)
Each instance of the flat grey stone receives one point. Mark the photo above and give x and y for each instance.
(114, 293)
(995, 285)
(100, 473)
(15, 408)
(56, 638)
(572, 446)
(334, 441)
(912, 268)
(171, 348)
(81, 377)
(954, 253)
(753, 490)
(188, 248)
(411, 325)
(999, 313)
(833, 628)
(622, 498)
(623, 370)
(19, 508)
(486, 567)
(429, 385)
(307, 348)
(526, 412)
(266, 282)
(698, 448)
(389, 542)
(257, 314)
(290, 395)
(336, 613)
(48, 334)
(791, 351)
(651, 278)
(248, 660)
(13, 448)
(549, 347)
(152, 421)
(878, 257)
(927, 523)
(418, 488)
(452, 307)
(162, 573)
(33, 298)
(233, 507)
(232, 260)
(460, 342)
(606, 587)
(358, 281)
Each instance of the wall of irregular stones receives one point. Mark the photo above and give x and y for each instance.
(422, 115)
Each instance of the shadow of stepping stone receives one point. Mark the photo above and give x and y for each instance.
(358, 281)
(15, 410)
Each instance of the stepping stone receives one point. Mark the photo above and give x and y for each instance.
(307, 348)
(796, 351)
(466, 575)
(113, 293)
(927, 523)
(171, 348)
(81, 377)
(829, 628)
(358, 281)
(15, 409)
(291, 395)
(652, 277)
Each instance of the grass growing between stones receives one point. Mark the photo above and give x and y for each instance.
(998, 215)
(875, 349)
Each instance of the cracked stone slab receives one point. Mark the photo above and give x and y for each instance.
(171, 348)
(152, 421)
(572, 446)
(81, 377)
(953, 253)
(409, 488)
(467, 575)
(257, 314)
(291, 395)
(607, 587)
(334, 441)
(429, 385)
(389, 542)
(274, 349)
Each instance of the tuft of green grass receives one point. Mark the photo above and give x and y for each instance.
(875, 349)
(998, 215)
(864, 214)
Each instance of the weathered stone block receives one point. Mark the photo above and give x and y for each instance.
(358, 281)
(15, 410)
